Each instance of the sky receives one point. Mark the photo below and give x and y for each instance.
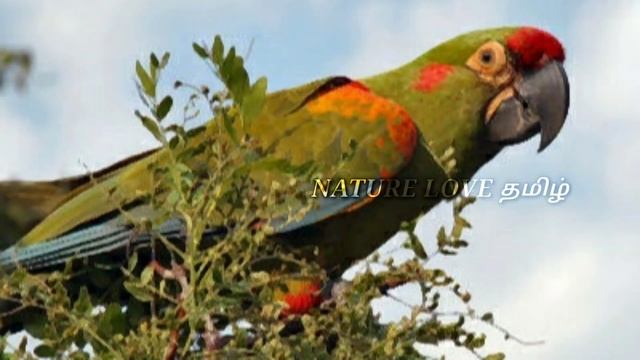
(564, 273)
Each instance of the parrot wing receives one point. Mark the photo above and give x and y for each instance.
(345, 130)
(328, 122)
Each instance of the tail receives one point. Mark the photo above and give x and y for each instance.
(24, 204)
(101, 239)
(97, 239)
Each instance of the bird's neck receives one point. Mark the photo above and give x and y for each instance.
(399, 85)
(445, 116)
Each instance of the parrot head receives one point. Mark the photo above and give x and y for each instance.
(484, 90)
(526, 68)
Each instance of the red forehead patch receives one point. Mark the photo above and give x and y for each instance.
(532, 44)
(431, 76)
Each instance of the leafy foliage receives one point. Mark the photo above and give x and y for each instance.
(217, 302)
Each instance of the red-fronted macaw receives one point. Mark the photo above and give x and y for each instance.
(465, 99)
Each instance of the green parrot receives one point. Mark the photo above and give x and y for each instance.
(441, 116)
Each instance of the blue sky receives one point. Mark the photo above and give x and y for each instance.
(564, 273)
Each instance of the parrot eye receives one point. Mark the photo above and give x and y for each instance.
(490, 63)
(486, 57)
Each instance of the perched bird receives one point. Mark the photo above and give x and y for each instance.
(441, 116)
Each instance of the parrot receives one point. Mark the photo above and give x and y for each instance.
(442, 115)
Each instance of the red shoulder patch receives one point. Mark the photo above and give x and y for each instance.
(431, 76)
(302, 298)
(532, 44)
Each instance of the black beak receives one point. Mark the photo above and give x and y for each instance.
(540, 104)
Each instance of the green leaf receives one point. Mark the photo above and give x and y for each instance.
(147, 275)
(83, 305)
(456, 232)
(416, 246)
(200, 51)
(227, 64)
(112, 321)
(476, 342)
(239, 80)
(133, 261)
(153, 127)
(228, 126)
(165, 60)
(217, 50)
(44, 351)
(496, 356)
(254, 101)
(234, 76)
(408, 226)
(441, 237)
(462, 222)
(148, 86)
(164, 107)
(138, 291)
(488, 317)
(153, 60)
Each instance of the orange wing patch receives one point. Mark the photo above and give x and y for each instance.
(403, 133)
(356, 100)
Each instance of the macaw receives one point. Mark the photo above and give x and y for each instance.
(460, 102)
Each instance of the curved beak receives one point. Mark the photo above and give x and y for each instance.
(537, 102)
